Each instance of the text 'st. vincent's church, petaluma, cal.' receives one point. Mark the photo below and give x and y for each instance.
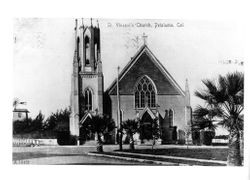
(146, 90)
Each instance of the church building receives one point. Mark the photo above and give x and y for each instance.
(146, 91)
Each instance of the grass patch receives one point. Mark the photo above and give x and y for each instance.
(202, 153)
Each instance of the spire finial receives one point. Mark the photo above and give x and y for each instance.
(91, 22)
(144, 37)
(97, 23)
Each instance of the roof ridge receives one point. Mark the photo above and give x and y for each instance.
(127, 65)
(155, 60)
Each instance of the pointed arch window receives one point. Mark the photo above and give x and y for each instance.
(145, 93)
(88, 99)
(96, 52)
(87, 50)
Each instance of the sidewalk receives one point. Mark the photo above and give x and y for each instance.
(75, 160)
(173, 157)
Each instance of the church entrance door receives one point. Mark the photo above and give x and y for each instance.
(146, 127)
(85, 132)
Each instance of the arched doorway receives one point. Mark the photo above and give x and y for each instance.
(146, 127)
(85, 132)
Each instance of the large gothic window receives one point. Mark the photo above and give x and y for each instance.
(145, 93)
(87, 51)
(88, 99)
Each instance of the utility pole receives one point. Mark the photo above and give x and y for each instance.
(119, 112)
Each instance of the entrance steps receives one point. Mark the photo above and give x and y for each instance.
(90, 143)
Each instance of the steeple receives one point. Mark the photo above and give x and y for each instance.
(87, 77)
(90, 48)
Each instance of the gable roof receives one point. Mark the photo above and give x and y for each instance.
(149, 111)
(133, 60)
(85, 117)
(21, 110)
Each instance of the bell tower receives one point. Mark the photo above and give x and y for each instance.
(88, 77)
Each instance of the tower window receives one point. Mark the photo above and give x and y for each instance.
(88, 100)
(96, 52)
(87, 51)
(145, 93)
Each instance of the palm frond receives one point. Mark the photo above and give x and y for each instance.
(200, 112)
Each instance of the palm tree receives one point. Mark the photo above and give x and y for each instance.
(204, 118)
(224, 102)
(101, 126)
(131, 127)
(155, 131)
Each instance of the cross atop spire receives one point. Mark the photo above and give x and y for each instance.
(144, 37)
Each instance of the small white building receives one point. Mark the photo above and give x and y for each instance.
(20, 114)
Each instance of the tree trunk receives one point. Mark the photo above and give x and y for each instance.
(99, 146)
(234, 158)
(120, 141)
(131, 143)
(153, 143)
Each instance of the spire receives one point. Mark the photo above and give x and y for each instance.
(76, 32)
(91, 22)
(187, 93)
(82, 24)
(76, 48)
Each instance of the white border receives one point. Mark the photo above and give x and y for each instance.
(224, 10)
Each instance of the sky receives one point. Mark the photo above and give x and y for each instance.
(193, 50)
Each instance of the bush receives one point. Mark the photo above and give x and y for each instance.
(196, 137)
(64, 138)
(181, 139)
(207, 137)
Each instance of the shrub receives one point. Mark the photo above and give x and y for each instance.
(181, 139)
(196, 137)
(207, 137)
(64, 138)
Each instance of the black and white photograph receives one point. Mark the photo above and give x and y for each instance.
(127, 92)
